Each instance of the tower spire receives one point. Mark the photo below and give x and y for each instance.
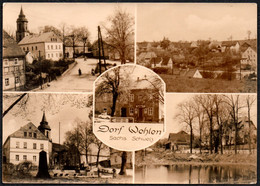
(21, 11)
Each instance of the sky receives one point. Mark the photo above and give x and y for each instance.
(62, 113)
(78, 14)
(191, 22)
(173, 99)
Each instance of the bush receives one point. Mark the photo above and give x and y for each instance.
(160, 70)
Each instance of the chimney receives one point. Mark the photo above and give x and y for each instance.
(137, 78)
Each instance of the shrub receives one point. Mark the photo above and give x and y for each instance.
(160, 70)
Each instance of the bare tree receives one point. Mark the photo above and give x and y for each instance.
(100, 146)
(234, 105)
(110, 85)
(249, 102)
(207, 102)
(187, 115)
(123, 163)
(120, 33)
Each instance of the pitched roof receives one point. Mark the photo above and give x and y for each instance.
(141, 84)
(165, 60)
(30, 127)
(180, 137)
(10, 47)
(229, 43)
(44, 37)
(156, 60)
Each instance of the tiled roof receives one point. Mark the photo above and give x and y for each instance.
(10, 47)
(165, 60)
(30, 127)
(181, 136)
(44, 37)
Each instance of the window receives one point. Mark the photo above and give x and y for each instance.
(16, 69)
(25, 134)
(32, 48)
(25, 145)
(47, 134)
(6, 61)
(30, 134)
(140, 98)
(36, 48)
(17, 80)
(34, 158)
(27, 48)
(6, 69)
(51, 46)
(51, 55)
(17, 157)
(17, 144)
(35, 135)
(6, 81)
(48, 55)
(41, 146)
(132, 97)
(145, 110)
(16, 61)
(59, 46)
(56, 54)
(11, 69)
(60, 54)
(150, 111)
(34, 146)
(48, 47)
(23, 48)
(131, 111)
(24, 157)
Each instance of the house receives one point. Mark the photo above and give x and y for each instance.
(144, 46)
(26, 143)
(29, 58)
(146, 57)
(194, 44)
(249, 57)
(215, 46)
(44, 45)
(244, 131)
(178, 141)
(190, 73)
(231, 45)
(13, 64)
(137, 103)
(116, 158)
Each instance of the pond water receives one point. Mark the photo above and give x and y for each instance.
(195, 174)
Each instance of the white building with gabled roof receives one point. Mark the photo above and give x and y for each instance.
(26, 143)
(45, 45)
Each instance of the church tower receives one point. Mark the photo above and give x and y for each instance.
(44, 127)
(22, 29)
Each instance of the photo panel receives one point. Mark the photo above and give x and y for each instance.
(210, 139)
(48, 138)
(65, 52)
(193, 46)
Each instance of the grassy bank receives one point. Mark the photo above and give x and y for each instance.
(180, 84)
(169, 157)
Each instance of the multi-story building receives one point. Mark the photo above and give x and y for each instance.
(45, 46)
(26, 143)
(139, 102)
(22, 27)
(249, 57)
(13, 64)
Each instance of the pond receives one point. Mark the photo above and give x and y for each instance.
(195, 174)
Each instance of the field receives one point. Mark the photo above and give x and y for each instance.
(182, 84)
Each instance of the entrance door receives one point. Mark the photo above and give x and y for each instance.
(140, 116)
(123, 112)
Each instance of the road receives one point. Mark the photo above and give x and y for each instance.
(71, 81)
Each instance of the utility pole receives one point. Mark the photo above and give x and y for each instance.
(59, 146)
(102, 45)
(99, 54)
(40, 68)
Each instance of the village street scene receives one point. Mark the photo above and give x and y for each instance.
(193, 50)
(48, 138)
(129, 107)
(210, 138)
(48, 52)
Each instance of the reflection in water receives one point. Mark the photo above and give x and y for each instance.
(195, 174)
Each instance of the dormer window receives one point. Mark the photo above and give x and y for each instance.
(16, 61)
(25, 134)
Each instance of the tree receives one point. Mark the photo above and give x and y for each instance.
(187, 115)
(120, 33)
(249, 103)
(123, 164)
(100, 146)
(49, 28)
(233, 102)
(200, 114)
(110, 85)
(165, 43)
(207, 102)
(248, 34)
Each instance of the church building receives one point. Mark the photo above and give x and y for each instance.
(26, 143)
(22, 27)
